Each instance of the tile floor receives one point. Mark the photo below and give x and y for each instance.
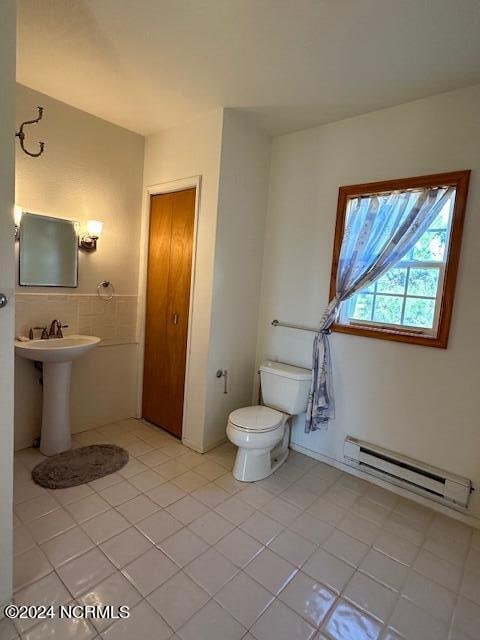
(309, 553)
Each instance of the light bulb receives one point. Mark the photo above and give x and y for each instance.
(18, 211)
(94, 228)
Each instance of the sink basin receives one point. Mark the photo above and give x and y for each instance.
(56, 349)
(56, 355)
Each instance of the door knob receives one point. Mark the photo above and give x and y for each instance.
(175, 318)
(3, 300)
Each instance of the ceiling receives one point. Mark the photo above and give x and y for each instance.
(152, 64)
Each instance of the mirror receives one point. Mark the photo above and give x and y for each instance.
(48, 252)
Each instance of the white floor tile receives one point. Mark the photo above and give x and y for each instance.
(345, 547)
(66, 546)
(190, 481)
(364, 530)
(438, 570)
(385, 570)
(61, 629)
(149, 571)
(262, 527)
(119, 493)
(211, 527)
(166, 494)
(308, 598)
(239, 547)
(22, 539)
(36, 507)
(105, 526)
(326, 511)
(212, 623)
(279, 622)
(211, 571)
(244, 599)
(115, 590)
(183, 547)
(178, 599)
(187, 509)
(235, 510)
(87, 507)
(348, 623)
(396, 548)
(210, 470)
(125, 547)
(144, 623)
(372, 597)
(413, 623)
(28, 567)
(467, 618)
(211, 495)
(271, 571)
(50, 590)
(429, 595)
(329, 570)
(50, 525)
(292, 547)
(146, 480)
(138, 509)
(311, 528)
(85, 571)
(170, 469)
(282, 511)
(159, 526)
(65, 496)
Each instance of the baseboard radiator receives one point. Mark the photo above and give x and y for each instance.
(405, 472)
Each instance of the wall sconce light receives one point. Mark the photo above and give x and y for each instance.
(18, 212)
(88, 241)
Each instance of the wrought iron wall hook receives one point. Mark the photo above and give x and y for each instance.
(20, 134)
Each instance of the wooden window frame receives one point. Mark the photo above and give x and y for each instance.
(458, 179)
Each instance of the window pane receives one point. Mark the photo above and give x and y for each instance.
(393, 281)
(388, 309)
(441, 221)
(363, 307)
(431, 246)
(423, 282)
(419, 312)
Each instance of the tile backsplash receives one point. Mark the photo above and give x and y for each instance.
(114, 321)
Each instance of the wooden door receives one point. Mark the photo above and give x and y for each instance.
(172, 217)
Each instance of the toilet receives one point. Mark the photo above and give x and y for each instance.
(262, 433)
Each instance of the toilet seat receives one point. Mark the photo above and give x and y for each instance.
(256, 419)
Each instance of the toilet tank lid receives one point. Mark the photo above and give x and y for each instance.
(286, 370)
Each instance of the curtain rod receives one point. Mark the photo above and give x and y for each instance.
(389, 191)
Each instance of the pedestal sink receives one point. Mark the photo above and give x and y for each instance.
(56, 355)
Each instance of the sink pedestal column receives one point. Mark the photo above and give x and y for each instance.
(56, 436)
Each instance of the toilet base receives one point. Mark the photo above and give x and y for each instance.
(256, 464)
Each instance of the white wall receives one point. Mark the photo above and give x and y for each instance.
(191, 150)
(7, 280)
(242, 205)
(90, 169)
(417, 400)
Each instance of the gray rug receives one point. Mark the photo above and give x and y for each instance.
(78, 466)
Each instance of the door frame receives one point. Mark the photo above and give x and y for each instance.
(193, 182)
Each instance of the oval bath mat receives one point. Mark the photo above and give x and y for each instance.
(78, 466)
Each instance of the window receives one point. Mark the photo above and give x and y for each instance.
(412, 302)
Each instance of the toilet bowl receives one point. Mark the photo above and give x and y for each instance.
(262, 433)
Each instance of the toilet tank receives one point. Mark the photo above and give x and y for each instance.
(285, 387)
